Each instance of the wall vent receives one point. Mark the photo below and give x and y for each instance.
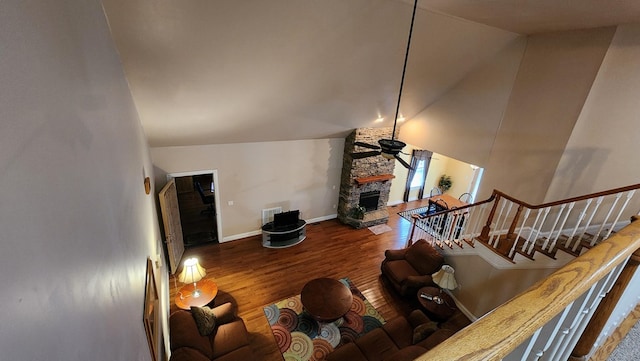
(267, 214)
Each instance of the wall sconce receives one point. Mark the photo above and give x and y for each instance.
(147, 185)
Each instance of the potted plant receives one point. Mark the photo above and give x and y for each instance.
(445, 183)
(357, 212)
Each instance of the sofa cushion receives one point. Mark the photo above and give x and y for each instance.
(229, 337)
(188, 354)
(376, 345)
(242, 354)
(224, 313)
(424, 258)
(346, 352)
(398, 271)
(423, 331)
(184, 333)
(205, 320)
(436, 338)
(399, 331)
(408, 353)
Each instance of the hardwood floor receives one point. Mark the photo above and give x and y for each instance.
(254, 276)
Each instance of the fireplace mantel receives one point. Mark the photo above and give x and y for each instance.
(375, 178)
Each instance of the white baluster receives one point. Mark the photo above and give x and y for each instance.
(544, 218)
(524, 245)
(584, 230)
(629, 195)
(553, 228)
(575, 229)
(606, 219)
(530, 240)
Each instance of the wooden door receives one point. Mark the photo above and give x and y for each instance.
(172, 227)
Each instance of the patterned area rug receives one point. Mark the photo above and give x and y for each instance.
(301, 338)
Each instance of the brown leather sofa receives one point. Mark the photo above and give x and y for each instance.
(409, 269)
(394, 340)
(230, 341)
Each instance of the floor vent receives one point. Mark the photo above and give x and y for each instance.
(267, 214)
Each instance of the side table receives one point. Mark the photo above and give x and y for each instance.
(436, 303)
(208, 291)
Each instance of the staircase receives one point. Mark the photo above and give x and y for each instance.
(514, 229)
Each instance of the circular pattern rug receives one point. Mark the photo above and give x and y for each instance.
(301, 338)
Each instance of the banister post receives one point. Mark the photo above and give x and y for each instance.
(605, 308)
(413, 229)
(511, 234)
(484, 235)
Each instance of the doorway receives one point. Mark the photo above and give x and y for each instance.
(198, 206)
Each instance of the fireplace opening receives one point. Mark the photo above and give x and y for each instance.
(369, 200)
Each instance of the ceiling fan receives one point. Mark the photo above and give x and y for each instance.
(390, 148)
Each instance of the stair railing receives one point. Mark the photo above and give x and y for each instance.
(546, 321)
(515, 227)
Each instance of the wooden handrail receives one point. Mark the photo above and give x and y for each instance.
(499, 332)
(568, 200)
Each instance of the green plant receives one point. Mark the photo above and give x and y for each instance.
(445, 183)
(357, 212)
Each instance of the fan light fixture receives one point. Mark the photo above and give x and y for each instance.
(390, 148)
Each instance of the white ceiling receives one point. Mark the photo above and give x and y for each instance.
(229, 71)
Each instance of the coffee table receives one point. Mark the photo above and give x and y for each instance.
(326, 299)
(436, 303)
(208, 291)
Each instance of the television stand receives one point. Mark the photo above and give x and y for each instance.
(283, 237)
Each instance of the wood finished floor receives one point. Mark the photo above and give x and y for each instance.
(255, 276)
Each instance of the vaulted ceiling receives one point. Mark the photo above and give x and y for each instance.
(229, 71)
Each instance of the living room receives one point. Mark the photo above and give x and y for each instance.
(78, 226)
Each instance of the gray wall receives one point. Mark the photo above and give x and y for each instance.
(77, 226)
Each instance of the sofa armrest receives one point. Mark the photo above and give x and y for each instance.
(224, 313)
(394, 254)
(418, 281)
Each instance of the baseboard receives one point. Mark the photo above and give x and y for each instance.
(259, 232)
(241, 235)
(463, 309)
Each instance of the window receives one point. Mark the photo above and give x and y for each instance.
(418, 177)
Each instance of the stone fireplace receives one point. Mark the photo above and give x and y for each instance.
(365, 182)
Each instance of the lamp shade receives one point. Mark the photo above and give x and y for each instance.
(192, 271)
(445, 278)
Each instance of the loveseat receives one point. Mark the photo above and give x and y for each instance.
(410, 269)
(400, 339)
(228, 342)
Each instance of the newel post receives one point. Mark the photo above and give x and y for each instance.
(484, 235)
(413, 229)
(605, 308)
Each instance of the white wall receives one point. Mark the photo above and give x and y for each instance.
(463, 122)
(302, 175)
(600, 153)
(76, 224)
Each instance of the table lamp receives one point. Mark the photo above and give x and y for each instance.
(444, 278)
(192, 272)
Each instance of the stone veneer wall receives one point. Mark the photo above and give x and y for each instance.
(361, 168)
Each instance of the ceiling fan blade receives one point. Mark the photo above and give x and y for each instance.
(366, 145)
(364, 155)
(405, 164)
